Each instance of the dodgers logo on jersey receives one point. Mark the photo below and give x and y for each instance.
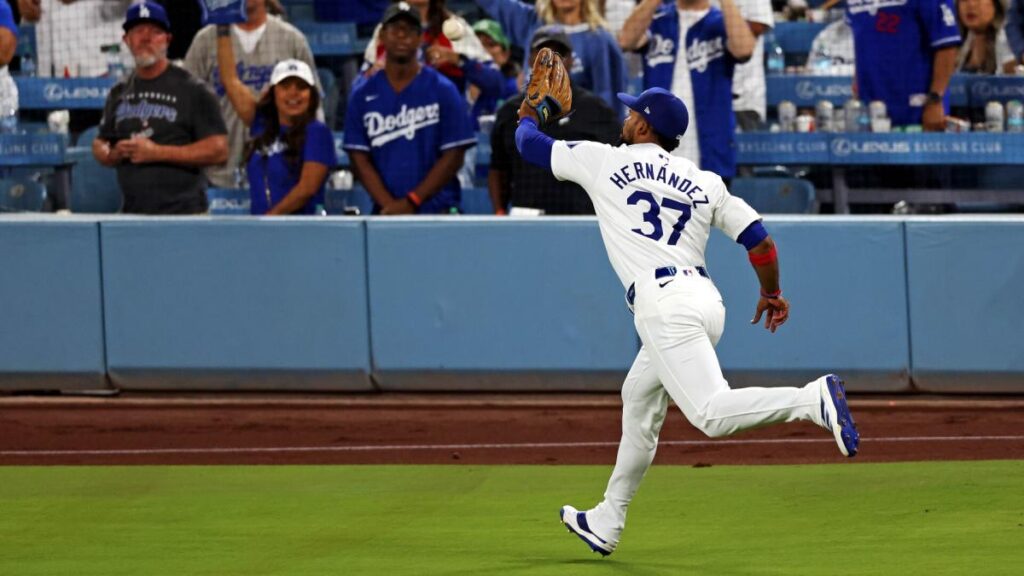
(703, 52)
(660, 50)
(382, 129)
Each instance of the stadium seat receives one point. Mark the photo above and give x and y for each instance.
(85, 139)
(776, 195)
(94, 187)
(476, 201)
(21, 195)
(330, 99)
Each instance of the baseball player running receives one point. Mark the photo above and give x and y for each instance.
(655, 212)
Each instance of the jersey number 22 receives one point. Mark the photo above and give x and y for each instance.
(653, 213)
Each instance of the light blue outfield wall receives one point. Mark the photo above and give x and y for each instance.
(966, 283)
(51, 318)
(495, 303)
(236, 303)
(486, 304)
(845, 280)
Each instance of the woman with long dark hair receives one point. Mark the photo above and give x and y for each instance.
(290, 152)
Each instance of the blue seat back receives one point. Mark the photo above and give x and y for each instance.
(776, 195)
(94, 187)
(21, 195)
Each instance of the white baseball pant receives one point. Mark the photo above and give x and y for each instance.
(680, 320)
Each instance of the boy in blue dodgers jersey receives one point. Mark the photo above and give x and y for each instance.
(655, 211)
(407, 127)
(160, 125)
(598, 64)
(905, 56)
(712, 40)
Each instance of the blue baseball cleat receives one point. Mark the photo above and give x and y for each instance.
(576, 522)
(835, 415)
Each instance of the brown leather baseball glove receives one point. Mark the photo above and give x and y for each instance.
(549, 94)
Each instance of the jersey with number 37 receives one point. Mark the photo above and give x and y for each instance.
(654, 209)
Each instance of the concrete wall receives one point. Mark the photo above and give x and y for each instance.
(473, 303)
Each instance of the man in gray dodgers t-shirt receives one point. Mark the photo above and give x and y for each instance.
(160, 126)
(259, 44)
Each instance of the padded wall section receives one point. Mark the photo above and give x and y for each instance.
(965, 282)
(51, 320)
(236, 304)
(845, 281)
(492, 304)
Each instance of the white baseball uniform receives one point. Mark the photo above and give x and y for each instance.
(655, 212)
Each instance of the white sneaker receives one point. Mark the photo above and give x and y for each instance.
(835, 414)
(576, 522)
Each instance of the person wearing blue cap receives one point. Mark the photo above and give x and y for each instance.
(655, 211)
(161, 126)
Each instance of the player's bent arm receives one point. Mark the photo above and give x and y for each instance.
(312, 177)
(209, 151)
(238, 93)
(533, 145)
(497, 186)
(634, 31)
(366, 172)
(446, 167)
(764, 259)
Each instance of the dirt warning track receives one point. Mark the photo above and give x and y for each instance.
(468, 429)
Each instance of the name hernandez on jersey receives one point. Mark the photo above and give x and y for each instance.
(654, 209)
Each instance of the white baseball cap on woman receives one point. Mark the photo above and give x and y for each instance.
(289, 68)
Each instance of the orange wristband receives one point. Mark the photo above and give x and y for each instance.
(415, 199)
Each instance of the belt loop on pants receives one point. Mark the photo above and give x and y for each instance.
(665, 272)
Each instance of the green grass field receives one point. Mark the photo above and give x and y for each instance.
(878, 519)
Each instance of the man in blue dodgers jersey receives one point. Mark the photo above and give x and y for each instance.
(655, 212)
(713, 41)
(407, 127)
(905, 55)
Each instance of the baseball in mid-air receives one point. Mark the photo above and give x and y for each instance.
(452, 28)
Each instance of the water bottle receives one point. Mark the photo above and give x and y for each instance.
(776, 57)
(28, 64)
(115, 66)
(8, 104)
(1014, 116)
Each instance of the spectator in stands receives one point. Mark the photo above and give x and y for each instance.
(493, 39)
(598, 65)
(8, 37)
(513, 181)
(714, 40)
(259, 44)
(832, 51)
(160, 125)
(1015, 29)
(407, 126)
(906, 54)
(750, 95)
(985, 49)
(70, 35)
(463, 61)
(290, 153)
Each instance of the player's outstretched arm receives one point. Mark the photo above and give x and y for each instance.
(763, 257)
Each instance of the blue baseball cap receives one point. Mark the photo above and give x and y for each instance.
(662, 109)
(146, 12)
